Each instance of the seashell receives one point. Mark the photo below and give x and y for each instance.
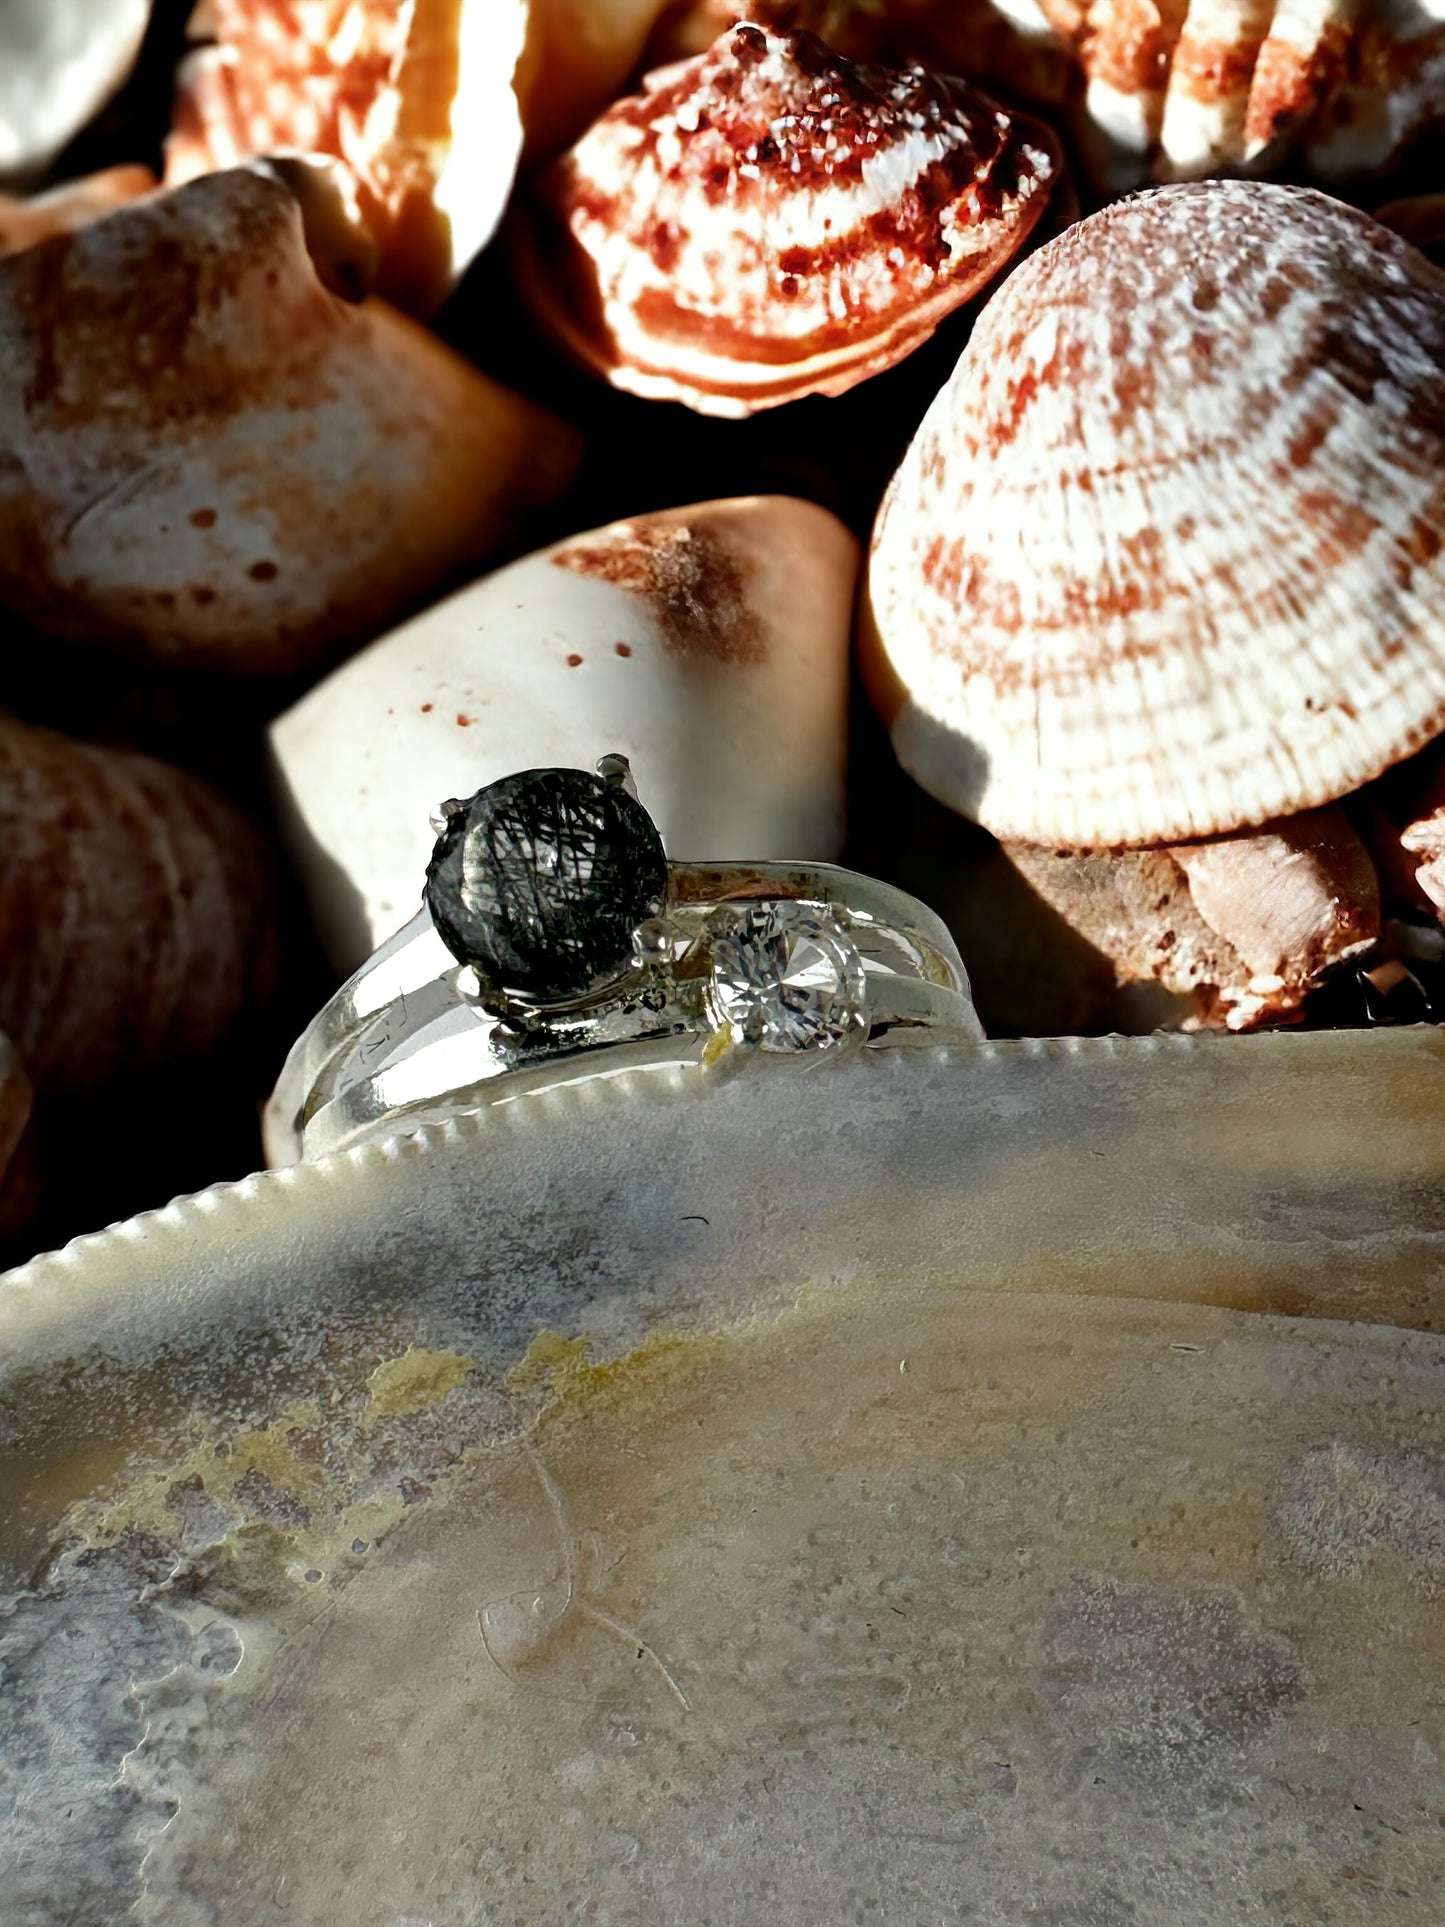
(1423, 840)
(19, 1186)
(417, 101)
(60, 61)
(1164, 558)
(206, 455)
(769, 221)
(708, 644)
(25, 222)
(1237, 928)
(136, 921)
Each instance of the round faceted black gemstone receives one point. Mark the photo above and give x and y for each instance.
(541, 879)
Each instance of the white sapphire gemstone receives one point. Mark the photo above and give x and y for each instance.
(788, 978)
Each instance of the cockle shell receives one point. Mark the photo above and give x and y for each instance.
(1164, 558)
(708, 644)
(24, 222)
(417, 101)
(60, 61)
(206, 455)
(1237, 927)
(768, 221)
(136, 915)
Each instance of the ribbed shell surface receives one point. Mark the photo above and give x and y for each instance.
(1164, 558)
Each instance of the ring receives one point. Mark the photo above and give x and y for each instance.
(559, 944)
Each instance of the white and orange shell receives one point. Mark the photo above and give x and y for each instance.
(1165, 557)
(208, 456)
(768, 221)
(708, 644)
(25, 221)
(416, 100)
(136, 912)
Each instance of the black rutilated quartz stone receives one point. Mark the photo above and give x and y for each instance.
(540, 880)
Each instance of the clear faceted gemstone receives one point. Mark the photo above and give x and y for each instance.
(789, 978)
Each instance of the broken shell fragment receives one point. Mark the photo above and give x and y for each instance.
(136, 918)
(206, 455)
(769, 221)
(60, 61)
(707, 644)
(24, 223)
(1237, 928)
(416, 101)
(1164, 559)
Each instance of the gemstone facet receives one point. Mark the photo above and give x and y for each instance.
(539, 881)
(788, 978)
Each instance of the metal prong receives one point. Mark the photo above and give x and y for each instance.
(615, 769)
(444, 812)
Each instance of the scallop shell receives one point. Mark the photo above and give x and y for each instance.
(206, 455)
(60, 61)
(768, 221)
(136, 915)
(708, 644)
(1164, 558)
(417, 101)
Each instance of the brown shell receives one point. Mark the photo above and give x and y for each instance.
(1165, 557)
(19, 1177)
(207, 455)
(136, 919)
(769, 221)
(1239, 926)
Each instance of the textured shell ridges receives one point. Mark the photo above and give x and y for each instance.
(1164, 559)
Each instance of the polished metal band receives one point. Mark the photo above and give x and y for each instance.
(405, 1040)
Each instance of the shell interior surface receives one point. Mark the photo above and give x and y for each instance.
(1164, 559)
(770, 220)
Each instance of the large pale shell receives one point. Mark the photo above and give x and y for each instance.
(60, 61)
(207, 455)
(135, 911)
(1164, 558)
(768, 221)
(416, 100)
(708, 644)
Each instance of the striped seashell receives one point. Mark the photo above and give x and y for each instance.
(136, 917)
(769, 221)
(1164, 559)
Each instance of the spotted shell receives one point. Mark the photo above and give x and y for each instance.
(769, 220)
(1164, 559)
(208, 456)
(136, 914)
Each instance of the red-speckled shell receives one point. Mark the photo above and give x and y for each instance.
(1164, 559)
(768, 221)
(207, 455)
(135, 911)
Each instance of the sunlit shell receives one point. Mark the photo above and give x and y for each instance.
(416, 100)
(1164, 559)
(708, 644)
(24, 222)
(768, 221)
(60, 61)
(135, 910)
(206, 455)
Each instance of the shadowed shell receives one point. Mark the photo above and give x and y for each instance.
(1164, 559)
(416, 101)
(35, 218)
(136, 921)
(768, 221)
(206, 455)
(708, 644)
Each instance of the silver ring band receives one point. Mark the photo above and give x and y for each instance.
(406, 1039)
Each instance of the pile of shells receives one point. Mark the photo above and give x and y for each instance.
(392, 398)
